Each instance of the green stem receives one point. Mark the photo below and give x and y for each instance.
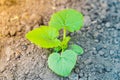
(64, 34)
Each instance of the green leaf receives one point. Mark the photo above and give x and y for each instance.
(44, 36)
(57, 49)
(62, 64)
(64, 43)
(69, 19)
(77, 49)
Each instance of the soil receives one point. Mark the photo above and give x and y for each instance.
(100, 38)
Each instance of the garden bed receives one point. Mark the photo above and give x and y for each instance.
(100, 39)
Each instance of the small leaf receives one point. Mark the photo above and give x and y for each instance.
(62, 64)
(44, 36)
(77, 49)
(64, 43)
(57, 49)
(69, 19)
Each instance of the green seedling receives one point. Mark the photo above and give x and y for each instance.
(64, 56)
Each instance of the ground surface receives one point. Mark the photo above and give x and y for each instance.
(100, 38)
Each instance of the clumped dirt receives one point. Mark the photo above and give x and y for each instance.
(100, 38)
(19, 59)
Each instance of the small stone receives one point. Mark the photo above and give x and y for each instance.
(101, 53)
(54, 8)
(83, 79)
(79, 32)
(116, 41)
(66, 78)
(107, 24)
(117, 26)
(119, 74)
(87, 20)
(111, 51)
(88, 61)
(81, 66)
(81, 74)
(2, 67)
(9, 53)
(118, 51)
(96, 40)
(28, 28)
(86, 75)
(36, 26)
(73, 76)
(108, 69)
(99, 27)
(44, 56)
(77, 70)
(5, 31)
(19, 28)
(72, 34)
(99, 47)
(24, 47)
(13, 31)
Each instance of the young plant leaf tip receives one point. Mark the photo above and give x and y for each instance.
(63, 58)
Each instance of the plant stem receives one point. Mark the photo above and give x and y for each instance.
(64, 34)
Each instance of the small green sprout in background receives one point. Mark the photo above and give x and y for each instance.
(64, 57)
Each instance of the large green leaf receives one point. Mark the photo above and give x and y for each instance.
(77, 49)
(69, 19)
(44, 36)
(62, 64)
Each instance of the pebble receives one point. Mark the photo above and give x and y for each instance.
(111, 51)
(116, 41)
(96, 40)
(117, 26)
(24, 47)
(99, 27)
(88, 61)
(101, 52)
(9, 53)
(5, 33)
(99, 47)
(13, 31)
(77, 70)
(81, 74)
(72, 34)
(107, 24)
(81, 66)
(19, 28)
(87, 20)
(119, 74)
(108, 69)
(73, 76)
